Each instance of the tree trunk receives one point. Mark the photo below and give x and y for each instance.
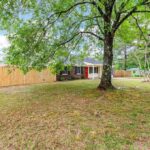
(125, 58)
(106, 79)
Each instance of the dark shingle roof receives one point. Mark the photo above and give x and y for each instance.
(83, 62)
(92, 61)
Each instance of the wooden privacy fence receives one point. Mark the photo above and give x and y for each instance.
(16, 77)
(122, 73)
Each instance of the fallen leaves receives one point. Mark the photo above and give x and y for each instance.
(74, 115)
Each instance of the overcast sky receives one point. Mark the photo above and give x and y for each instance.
(4, 43)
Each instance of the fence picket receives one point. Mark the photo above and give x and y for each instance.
(16, 77)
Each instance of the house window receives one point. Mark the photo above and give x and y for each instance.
(77, 70)
(95, 69)
(90, 70)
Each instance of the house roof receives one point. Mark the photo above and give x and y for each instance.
(92, 61)
(88, 62)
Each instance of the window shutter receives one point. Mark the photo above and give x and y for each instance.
(81, 70)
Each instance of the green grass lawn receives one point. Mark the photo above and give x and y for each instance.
(74, 115)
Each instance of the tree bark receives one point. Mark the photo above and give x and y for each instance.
(106, 79)
(125, 58)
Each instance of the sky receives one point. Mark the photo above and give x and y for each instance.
(4, 42)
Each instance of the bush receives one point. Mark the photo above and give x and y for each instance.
(62, 78)
(69, 78)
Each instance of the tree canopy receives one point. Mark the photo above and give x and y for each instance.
(61, 30)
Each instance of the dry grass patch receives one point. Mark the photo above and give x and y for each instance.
(75, 116)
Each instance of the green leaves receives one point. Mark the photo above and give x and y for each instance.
(62, 30)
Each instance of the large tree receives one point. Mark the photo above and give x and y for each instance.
(65, 27)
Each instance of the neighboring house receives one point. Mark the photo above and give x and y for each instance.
(135, 72)
(88, 69)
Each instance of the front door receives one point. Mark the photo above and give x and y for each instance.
(86, 72)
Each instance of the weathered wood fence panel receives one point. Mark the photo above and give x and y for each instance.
(122, 73)
(13, 76)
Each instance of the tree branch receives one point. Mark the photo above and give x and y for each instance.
(142, 34)
(80, 33)
(73, 6)
(112, 3)
(91, 33)
(117, 23)
(67, 41)
(98, 8)
(78, 22)
(124, 18)
(99, 26)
